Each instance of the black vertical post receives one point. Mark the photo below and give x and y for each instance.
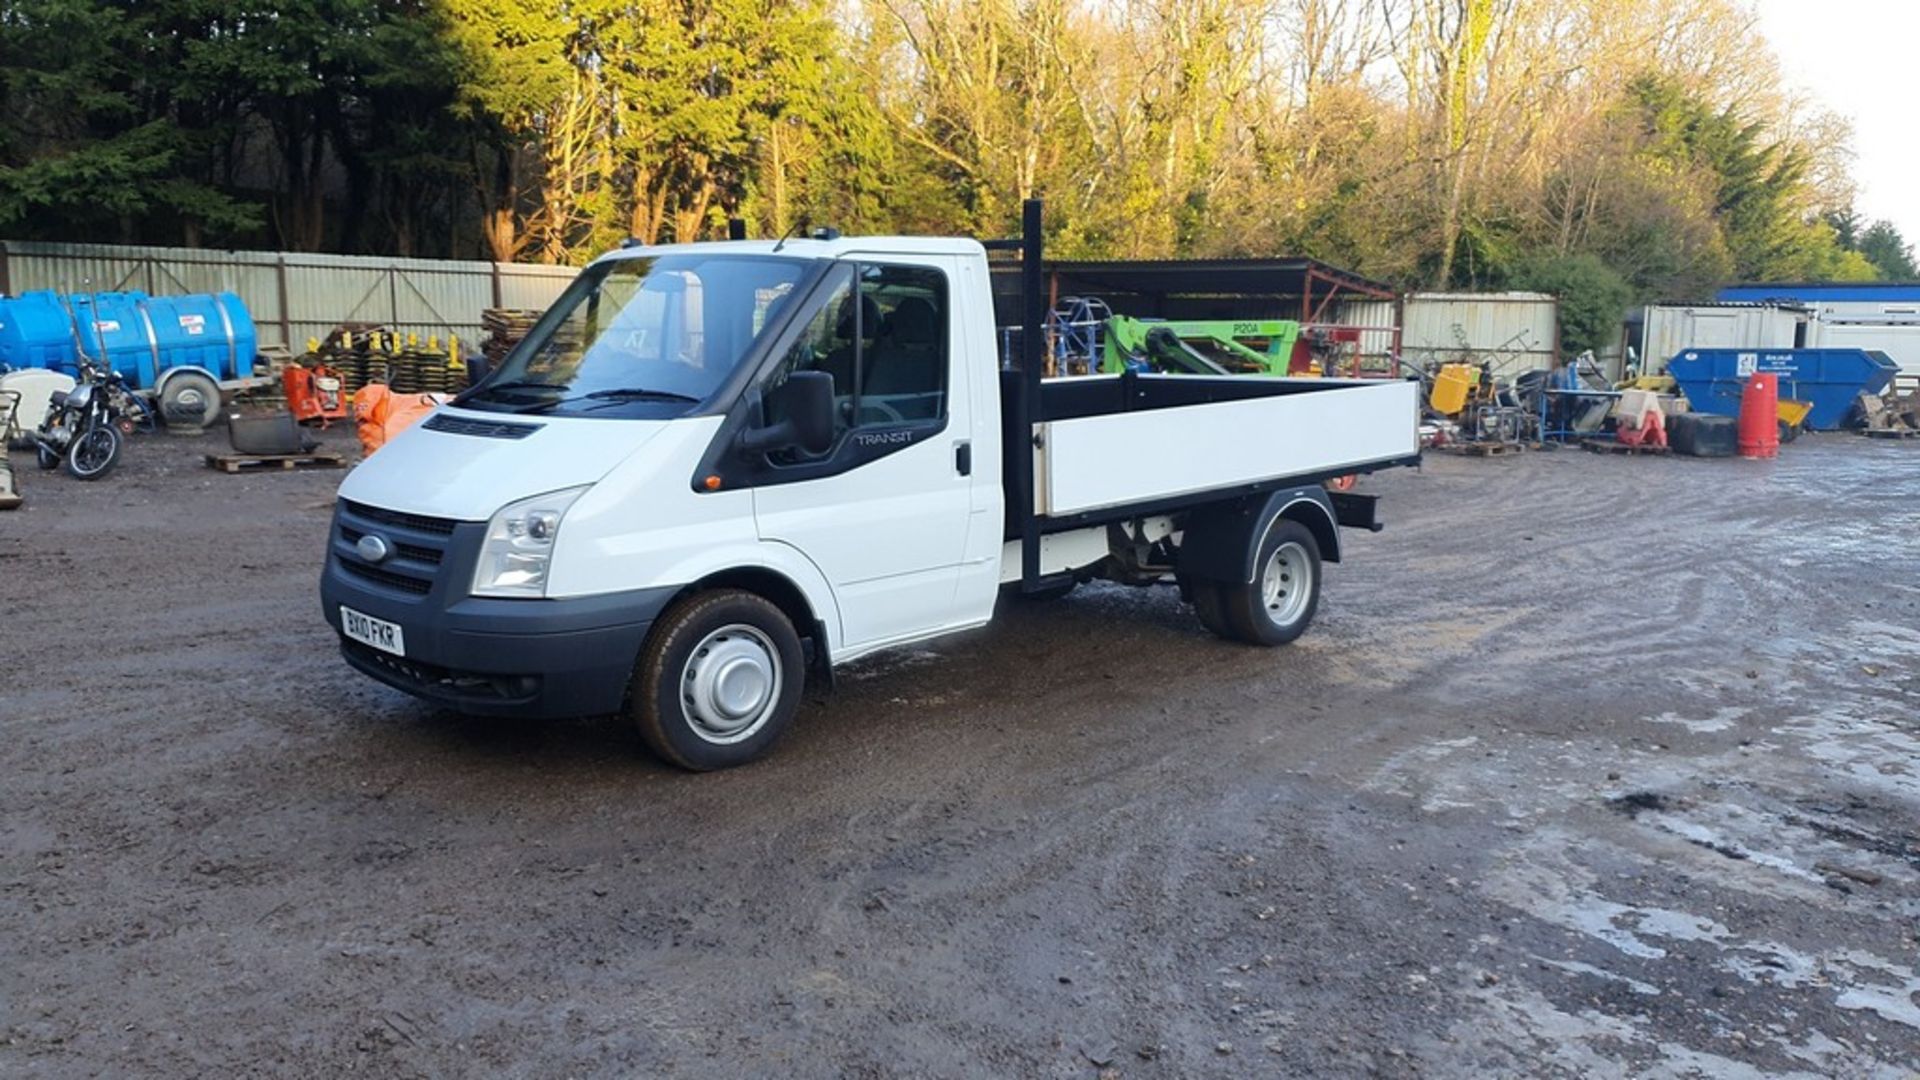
(736, 228)
(1033, 351)
(286, 311)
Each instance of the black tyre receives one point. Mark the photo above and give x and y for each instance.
(189, 401)
(718, 682)
(1211, 609)
(1278, 604)
(94, 452)
(46, 458)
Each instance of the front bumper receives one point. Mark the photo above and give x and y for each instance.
(537, 659)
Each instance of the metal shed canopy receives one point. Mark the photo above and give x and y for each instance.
(1195, 288)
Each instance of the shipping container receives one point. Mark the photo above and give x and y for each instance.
(1852, 315)
(1898, 339)
(1668, 329)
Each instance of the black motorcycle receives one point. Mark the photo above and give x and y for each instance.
(82, 426)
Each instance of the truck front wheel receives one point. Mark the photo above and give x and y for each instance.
(1278, 604)
(718, 681)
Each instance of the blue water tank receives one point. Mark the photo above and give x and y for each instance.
(35, 332)
(209, 330)
(1827, 379)
(140, 336)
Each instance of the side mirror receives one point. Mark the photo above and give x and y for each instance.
(805, 403)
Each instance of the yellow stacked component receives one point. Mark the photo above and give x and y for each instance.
(1452, 386)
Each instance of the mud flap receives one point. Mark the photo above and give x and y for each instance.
(1357, 511)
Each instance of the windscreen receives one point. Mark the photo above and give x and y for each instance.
(651, 337)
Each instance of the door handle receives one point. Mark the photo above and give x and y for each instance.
(963, 458)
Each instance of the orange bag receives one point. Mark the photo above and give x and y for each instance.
(379, 414)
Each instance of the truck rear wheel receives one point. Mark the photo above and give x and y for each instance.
(718, 681)
(1279, 603)
(1212, 609)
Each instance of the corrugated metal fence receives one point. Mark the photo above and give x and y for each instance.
(1514, 331)
(295, 296)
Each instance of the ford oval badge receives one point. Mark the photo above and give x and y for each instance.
(372, 548)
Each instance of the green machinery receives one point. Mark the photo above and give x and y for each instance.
(1200, 347)
(1085, 336)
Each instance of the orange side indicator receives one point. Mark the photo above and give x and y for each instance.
(712, 483)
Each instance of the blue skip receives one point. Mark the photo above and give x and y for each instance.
(1827, 379)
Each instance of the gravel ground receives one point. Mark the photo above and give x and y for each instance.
(1591, 765)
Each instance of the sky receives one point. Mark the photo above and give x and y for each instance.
(1857, 57)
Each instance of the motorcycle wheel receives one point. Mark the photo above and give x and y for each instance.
(94, 452)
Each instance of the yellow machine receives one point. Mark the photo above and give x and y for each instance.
(1453, 384)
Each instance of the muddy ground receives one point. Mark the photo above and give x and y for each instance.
(1590, 766)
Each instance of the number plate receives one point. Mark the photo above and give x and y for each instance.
(368, 630)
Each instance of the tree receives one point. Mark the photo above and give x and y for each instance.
(1593, 296)
(1883, 246)
(1451, 142)
(1758, 188)
(88, 145)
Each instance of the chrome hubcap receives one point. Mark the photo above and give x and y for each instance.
(731, 684)
(1286, 584)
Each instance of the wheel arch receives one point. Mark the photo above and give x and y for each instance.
(1319, 519)
(782, 592)
(1221, 542)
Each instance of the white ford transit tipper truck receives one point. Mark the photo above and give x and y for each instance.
(712, 471)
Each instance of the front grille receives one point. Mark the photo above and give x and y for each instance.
(437, 526)
(404, 582)
(481, 429)
(431, 556)
(418, 546)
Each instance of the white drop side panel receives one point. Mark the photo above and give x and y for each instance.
(1097, 462)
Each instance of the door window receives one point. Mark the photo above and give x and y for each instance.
(903, 369)
(885, 345)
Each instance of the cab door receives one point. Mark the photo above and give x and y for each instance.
(884, 513)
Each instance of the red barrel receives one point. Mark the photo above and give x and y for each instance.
(1759, 419)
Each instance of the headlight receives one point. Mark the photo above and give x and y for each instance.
(519, 545)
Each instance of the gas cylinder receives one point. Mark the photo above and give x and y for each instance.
(1759, 424)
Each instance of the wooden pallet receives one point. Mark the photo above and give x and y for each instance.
(1608, 446)
(1891, 433)
(1480, 449)
(237, 463)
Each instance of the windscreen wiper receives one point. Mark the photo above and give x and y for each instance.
(514, 384)
(505, 391)
(519, 384)
(629, 393)
(613, 396)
